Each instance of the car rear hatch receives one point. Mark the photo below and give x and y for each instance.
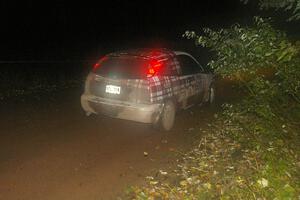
(120, 78)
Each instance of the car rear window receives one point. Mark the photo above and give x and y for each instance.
(122, 67)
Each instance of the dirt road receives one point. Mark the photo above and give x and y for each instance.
(50, 150)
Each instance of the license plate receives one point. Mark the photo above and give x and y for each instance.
(112, 89)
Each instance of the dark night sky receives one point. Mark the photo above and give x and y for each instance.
(62, 30)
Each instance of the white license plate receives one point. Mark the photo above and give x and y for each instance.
(112, 89)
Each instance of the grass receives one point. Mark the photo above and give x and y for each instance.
(234, 159)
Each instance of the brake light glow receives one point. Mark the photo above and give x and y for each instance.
(153, 68)
(98, 64)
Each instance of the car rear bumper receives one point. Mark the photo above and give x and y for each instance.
(145, 113)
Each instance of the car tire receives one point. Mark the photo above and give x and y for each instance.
(167, 117)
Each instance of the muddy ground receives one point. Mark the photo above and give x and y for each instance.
(49, 149)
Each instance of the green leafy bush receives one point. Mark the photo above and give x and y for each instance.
(293, 6)
(261, 59)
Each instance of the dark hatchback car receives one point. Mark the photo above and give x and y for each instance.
(146, 85)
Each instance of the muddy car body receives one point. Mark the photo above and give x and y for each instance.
(146, 86)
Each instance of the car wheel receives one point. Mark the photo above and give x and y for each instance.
(167, 117)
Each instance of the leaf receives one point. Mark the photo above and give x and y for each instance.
(183, 183)
(263, 182)
(153, 182)
(207, 186)
(163, 172)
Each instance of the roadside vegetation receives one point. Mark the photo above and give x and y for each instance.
(251, 150)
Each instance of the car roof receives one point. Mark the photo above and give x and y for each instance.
(148, 53)
(178, 53)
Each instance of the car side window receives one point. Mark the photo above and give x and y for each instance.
(166, 69)
(188, 65)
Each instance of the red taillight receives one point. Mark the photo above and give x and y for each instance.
(153, 68)
(151, 72)
(97, 65)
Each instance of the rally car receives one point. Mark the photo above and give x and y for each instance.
(147, 85)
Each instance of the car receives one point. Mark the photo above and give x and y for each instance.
(147, 85)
